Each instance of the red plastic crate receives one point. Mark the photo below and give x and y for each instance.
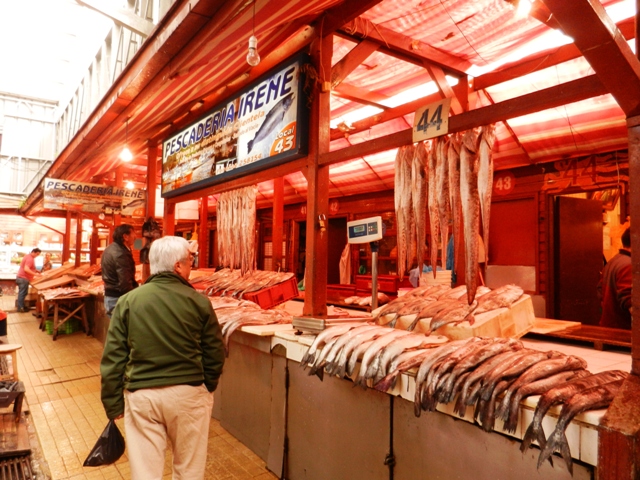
(386, 283)
(272, 296)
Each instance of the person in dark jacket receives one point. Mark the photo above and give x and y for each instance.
(614, 289)
(118, 266)
(162, 360)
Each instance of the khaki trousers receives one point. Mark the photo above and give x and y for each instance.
(180, 412)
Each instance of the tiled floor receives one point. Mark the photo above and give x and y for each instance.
(62, 381)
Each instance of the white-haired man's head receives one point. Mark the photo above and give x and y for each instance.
(170, 254)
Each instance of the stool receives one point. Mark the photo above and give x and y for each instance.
(15, 396)
(10, 349)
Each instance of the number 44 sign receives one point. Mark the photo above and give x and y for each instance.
(431, 121)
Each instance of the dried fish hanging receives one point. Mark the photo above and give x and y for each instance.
(236, 229)
(403, 207)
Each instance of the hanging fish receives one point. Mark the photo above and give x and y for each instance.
(470, 202)
(486, 139)
(432, 202)
(419, 199)
(444, 204)
(453, 158)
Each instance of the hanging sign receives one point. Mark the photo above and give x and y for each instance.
(92, 198)
(263, 125)
(431, 121)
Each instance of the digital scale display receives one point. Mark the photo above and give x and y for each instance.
(365, 230)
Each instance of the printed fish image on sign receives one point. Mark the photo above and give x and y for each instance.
(263, 125)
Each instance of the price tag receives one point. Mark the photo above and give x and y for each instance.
(431, 121)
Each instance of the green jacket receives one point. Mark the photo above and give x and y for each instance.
(162, 333)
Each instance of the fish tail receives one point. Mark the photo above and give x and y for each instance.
(249, 146)
(460, 408)
(557, 441)
(386, 383)
(306, 360)
(529, 435)
(320, 373)
(511, 422)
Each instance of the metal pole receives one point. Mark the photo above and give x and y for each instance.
(374, 274)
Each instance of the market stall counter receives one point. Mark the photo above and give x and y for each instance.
(307, 428)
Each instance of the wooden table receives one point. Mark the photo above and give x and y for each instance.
(63, 308)
(599, 336)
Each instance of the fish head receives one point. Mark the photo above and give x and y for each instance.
(287, 101)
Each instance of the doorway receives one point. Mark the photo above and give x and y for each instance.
(577, 259)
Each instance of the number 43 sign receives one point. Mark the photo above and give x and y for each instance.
(431, 121)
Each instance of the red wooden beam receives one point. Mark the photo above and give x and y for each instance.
(603, 46)
(569, 92)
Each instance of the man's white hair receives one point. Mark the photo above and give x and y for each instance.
(165, 252)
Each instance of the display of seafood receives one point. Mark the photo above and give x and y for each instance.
(578, 395)
(366, 301)
(233, 314)
(455, 182)
(337, 350)
(440, 305)
(228, 282)
(236, 216)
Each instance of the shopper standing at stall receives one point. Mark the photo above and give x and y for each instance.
(26, 273)
(614, 289)
(118, 266)
(161, 363)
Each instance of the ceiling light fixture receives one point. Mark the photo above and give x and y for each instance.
(125, 154)
(130, 185)
(253, 58)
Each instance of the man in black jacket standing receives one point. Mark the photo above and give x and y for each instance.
(118, 266)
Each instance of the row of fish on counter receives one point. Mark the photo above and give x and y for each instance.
(441, 305)
(490, 375)
(450, 179)
(234, 313)
(230, 282)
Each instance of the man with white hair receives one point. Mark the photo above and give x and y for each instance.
(161, 363)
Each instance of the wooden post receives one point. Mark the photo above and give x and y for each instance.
(78, 239)
(93, 256)
(169, 220)
(277, 229)
(203, 234)
(619, 430)
(315, 300)
(152, 160)
(66, 239)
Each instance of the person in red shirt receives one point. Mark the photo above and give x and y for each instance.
(26, 273)
(614, 289)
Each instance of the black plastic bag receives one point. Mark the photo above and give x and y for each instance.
(108, 449)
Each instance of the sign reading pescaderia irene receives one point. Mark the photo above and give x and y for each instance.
(263, 125)
(92, 198)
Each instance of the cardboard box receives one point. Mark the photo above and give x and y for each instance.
(511, 322)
